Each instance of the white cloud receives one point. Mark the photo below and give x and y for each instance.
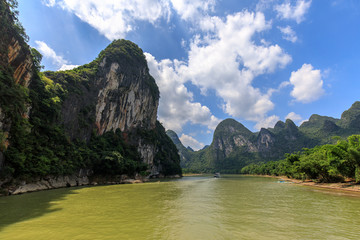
(294, 117)
(306, 120)
(68, 67)
(176, 107)
(267, 122)
(224, 57)
(57, 60)
(187, 140)
(192, 9)
(48, 3)
(288, 33)
(293, 12)
(114, 19)
(227, 60)
(308, 85)
(262, 5)
(48, 52)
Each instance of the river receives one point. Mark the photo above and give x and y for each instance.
(231, 207)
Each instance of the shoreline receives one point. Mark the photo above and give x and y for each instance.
(68, 181)
(348, 186)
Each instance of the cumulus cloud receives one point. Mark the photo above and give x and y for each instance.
(192, 9)
(68, 67)
(227, 60)
(267, 122)
(294, 117)
(48, 3)
(187, 140)
(223, 55)
(288, 33)
(293, 12)
(114, 19)
(57, 60)
(48, 52)
(308, 85)
(262, 5)
(176, 107)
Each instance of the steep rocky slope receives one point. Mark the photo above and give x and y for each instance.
(234, 146)
(16, 68)
(98, 119)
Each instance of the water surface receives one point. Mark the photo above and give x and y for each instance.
(231, 207)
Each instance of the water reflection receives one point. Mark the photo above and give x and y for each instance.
(231, 207)
(14, 209)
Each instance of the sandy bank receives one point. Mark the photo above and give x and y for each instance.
(344, 186)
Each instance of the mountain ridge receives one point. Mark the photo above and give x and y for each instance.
(234, 146)
(62, 128)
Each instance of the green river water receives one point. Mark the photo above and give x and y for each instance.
(231, 207)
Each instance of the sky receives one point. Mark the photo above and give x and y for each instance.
(257, 62)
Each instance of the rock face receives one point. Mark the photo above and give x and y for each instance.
(185, 153)
(82, 178)
(234, 146)
(121, 94)
(351, 117)
(229, 135)
(14, 55)
(265, 140)
(19, 58)
(14, 52)
(100, 116)
(134, 107)
(116, 94)
(50, 182)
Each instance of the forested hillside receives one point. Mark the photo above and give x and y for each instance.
(99, 119)
(234, 146)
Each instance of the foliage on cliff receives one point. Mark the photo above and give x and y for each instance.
(326, 163)
(39, 145)
(10, 24)
(234, 146)
(38, 142)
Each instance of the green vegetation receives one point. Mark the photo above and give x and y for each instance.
(327, 163)
(33, 117)
(9, 21)
(234, 146)
(167, 153)
(128, 54)
(39, 145)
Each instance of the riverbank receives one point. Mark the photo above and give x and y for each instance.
(84, 178)
(343, 186)
(192, 174)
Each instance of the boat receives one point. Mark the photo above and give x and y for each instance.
(216, 175)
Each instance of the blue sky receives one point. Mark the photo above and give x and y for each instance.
(255, 61)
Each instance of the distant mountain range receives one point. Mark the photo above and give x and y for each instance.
(234, 146)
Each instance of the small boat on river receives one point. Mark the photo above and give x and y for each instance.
(216, 175)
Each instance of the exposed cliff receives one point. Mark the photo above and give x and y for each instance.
(115, 91)
(183, 151)
(234, 146)
(350, 119)
(100, 116)
(14, 52)
(16, 69)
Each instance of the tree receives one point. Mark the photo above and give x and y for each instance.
(354, 152)
(37, 57)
